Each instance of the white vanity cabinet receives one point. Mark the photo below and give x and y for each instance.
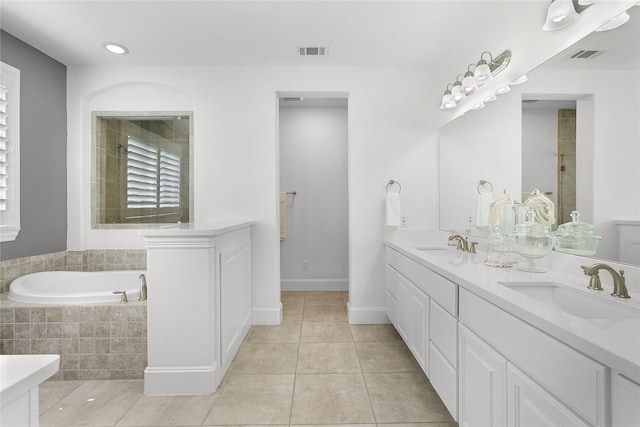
(423, 310)
(408, 304)
(548, 383)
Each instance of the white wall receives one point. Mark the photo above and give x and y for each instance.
(235, 150)
(313, 162)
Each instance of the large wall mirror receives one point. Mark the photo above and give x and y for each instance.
(571, 131)
(141, 169)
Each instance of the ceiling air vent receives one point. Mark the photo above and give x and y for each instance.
(312, 51)
(586, 54)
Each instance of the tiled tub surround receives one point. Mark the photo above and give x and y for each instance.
(87, 260)
(95, 342)
(101, 341)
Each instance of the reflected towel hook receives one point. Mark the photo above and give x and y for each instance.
(391, 183)
(483, 182)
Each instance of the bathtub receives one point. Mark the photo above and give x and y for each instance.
(75, 287)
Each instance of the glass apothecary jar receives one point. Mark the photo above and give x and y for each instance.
(532, 241)
(576, 237)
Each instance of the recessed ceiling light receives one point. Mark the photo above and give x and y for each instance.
(115, 48)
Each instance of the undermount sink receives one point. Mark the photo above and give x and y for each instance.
(574, 302)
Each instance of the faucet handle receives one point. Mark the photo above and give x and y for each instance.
(124, 296)
(472, 247)
(595, 283)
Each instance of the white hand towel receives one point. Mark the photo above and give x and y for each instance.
(394, 218)
(483, 209)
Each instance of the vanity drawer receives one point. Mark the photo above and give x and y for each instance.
(392, 257)
(444, 291)
(416, 273)
(443, 332)
(573, 378)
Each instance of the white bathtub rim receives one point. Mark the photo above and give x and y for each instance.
(18, 293)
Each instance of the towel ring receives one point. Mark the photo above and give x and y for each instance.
(391, 183)
(483, 182)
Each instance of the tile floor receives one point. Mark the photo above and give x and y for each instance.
(314, 368)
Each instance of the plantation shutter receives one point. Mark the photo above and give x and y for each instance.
(9, 152)
(142, 175)
(4, 152)
(169, 180)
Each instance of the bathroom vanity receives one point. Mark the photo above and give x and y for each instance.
(20, 378)
(506, 347)
(198, 306)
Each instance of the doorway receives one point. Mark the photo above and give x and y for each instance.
(314, 242)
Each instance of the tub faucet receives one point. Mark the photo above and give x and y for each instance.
(124, 296)
(143, 288)
(619, 286)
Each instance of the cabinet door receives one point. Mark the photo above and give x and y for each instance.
(392, 309)
(404, 289)
(482, 376)
(419, 328)
(529, 405)
(625, 402)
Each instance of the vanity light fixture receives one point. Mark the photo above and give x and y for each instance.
(503, 90)
(561, 13)
(458, 91)
(520, 80)
(116, 48)
(469, 82)
(615, 22)
(472, 80)
(447, 100)
(478, 106)
(483, 72)
(491, 98)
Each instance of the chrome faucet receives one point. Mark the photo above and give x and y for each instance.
(143, 288)
(619, 286)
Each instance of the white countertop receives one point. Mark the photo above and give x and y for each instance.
(204, 228)
(612, 342)
(21, 373)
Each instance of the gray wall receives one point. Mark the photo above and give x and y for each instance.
(43, 150)
(313, 162)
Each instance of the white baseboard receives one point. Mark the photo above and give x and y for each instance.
(367, 315)
(314, 284)
(181, 381)
(266, 315)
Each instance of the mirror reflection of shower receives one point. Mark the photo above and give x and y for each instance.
(141, 168)
(549, 152)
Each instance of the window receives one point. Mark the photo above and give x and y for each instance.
(153, 176)
(9, 152)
